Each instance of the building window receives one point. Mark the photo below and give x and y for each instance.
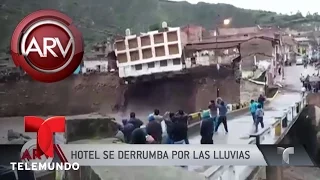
(151, 65)
(176, 61)
(138, 67)
(163, 63)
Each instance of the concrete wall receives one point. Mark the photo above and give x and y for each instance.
(75, 95)
(89, 127)
(249, 90)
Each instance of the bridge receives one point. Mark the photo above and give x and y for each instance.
(280, 115)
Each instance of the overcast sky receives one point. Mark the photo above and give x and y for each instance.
(279, 6)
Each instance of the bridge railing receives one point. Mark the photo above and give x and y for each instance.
(282, 125)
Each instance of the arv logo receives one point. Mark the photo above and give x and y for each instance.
(47, 46)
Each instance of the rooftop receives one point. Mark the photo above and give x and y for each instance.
(238, 31)
(289, 40)
(300, 39)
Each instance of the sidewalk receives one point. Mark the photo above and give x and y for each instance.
(242, 126)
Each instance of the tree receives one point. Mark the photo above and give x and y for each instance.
(309, 15)
(154, 27)
(299, 14)
(272, 19)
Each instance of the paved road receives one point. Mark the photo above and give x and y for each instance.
(292, 76)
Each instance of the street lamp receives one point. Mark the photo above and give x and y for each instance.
(225, 23)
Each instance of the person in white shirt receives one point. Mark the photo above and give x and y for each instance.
(303, 91)
(161, 120)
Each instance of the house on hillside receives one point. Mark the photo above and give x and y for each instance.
(240, 54)
(259, 55)
(93, 63)
(191, 33)
(289, 48)
(238, 31)
(259, 45)
(98, 59)
(304, 45)
(211, 53)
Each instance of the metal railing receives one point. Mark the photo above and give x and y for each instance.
(245, 172)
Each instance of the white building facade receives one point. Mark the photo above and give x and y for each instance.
(94, 66)
(149, 53)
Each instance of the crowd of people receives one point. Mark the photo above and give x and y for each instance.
(172, 128)
(310, 83)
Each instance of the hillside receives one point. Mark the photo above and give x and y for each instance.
(99, 19)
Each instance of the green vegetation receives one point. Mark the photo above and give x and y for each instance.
(101, 19)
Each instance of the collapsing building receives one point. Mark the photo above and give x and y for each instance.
(154, 53)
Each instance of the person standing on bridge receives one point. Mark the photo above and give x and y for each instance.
(127, 130)
(182, 117)
(213, 112)
(261, 100)
(206, 131)
(138, 137)
(253, 108)
(179, 133)
(222, 116)
(169, 125)
(259, 117)
(157, 116)
(154, 129)
(303, 91)
(135, 121)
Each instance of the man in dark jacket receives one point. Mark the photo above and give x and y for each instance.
(169, 124)
(138, 137)
(182, 117)
(206, 131)
(261, 100)
(135, 121)
(222, 116)
(179, 132)
(127, 130)
(154, 129)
